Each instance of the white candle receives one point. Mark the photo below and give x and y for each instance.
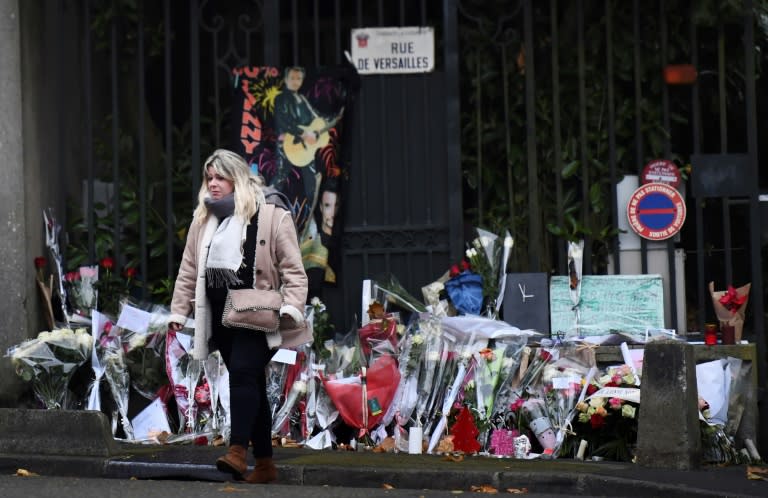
(582, 450)
(414, 440)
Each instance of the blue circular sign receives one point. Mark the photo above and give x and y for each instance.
(656, 211)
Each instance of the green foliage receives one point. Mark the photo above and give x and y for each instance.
(573, 166)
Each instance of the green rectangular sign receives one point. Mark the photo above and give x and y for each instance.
(608, 304)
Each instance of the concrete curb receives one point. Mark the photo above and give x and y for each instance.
(56, 432)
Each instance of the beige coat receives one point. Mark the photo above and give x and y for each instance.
(277, 231)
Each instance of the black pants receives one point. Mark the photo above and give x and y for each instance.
(246, 354)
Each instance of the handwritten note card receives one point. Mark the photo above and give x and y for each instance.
(609, 304)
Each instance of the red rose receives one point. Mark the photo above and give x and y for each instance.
(40, 262)
(107, 263)
(130, 272)
(596, 421)
(454, 270)
(465, 265)
(591, 389)
(545, 355)
(72, 276)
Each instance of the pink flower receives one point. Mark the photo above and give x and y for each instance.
(615, 403)
(517, 405)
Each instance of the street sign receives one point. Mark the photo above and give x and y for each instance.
(656, 211)
(661, 171)
(393, 50)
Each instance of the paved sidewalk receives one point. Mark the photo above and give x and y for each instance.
(79, 444)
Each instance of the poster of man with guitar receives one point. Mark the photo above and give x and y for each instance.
(288, 127)
(301, 133)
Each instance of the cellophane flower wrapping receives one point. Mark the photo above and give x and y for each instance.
(388, 290)
(287, 421)
(49, 362)
(561, 386)
(119, 382)
(193, 391)
(81, 289)
(463, 349)
(412, 347)
(144, 345)
(723, 391)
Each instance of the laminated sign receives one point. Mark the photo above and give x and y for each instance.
(393, 50)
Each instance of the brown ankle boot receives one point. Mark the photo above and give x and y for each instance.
(234, 461)
(263, 472)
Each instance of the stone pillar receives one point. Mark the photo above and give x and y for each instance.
(15, 263)
(668, 429)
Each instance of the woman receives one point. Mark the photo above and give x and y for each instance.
(237, 240)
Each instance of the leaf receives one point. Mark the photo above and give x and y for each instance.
(484, 488)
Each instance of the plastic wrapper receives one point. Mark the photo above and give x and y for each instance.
(49, 362)
(143, 335)
(575, 262)
(388, 290)
(363, 399)
(81, 289)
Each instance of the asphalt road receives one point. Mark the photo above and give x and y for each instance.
(12, 486)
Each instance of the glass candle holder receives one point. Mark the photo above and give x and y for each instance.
(710, 334)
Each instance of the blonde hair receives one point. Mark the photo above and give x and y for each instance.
(247, 186)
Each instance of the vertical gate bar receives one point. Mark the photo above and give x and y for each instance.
(671, 261)
(115, 137)
(271, 24)
(587, 268)
(58, 54)
(453, 126)
(142, 151)
(479, 140)
(168, 158)
(507, 129)
(194, 90)
(696, 141)
(638, 117)
(723, 106)
(295, 32)
(556, 124)
(754, 208)
(361, 131)
(426, 126)
(612, 131)
(383, 152)
(337, 30)
(534, 225)
(316, 30)
(88, 98)
(215, 79)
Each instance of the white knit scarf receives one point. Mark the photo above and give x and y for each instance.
(225, 254)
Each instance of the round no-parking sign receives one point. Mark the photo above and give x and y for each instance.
(656, 211)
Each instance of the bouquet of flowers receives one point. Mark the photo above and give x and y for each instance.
(143, 340)
(81, 289)
(412, 348)
(113, 287)
(49, 361)
(479, 283)
(607, 417)
(731, 306)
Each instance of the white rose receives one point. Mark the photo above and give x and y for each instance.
(299, 386)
